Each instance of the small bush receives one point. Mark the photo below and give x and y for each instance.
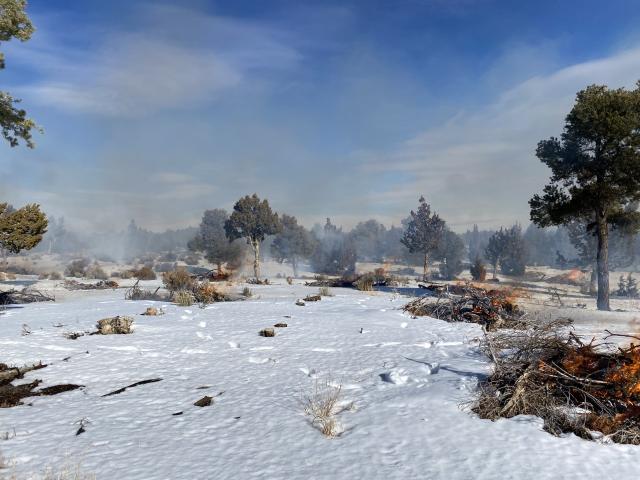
(164, 267)
(246, 292)
(478, 270)
(95, 271)
(191, 259)
(77, 268)
(145, 273)
(184, 298)
(365, 283)
(206, 293)
(322, 406)
(178, 279)
(50, 276)
(325, 292)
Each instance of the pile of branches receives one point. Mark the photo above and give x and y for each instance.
(493, 309)
(592, 390)
(26, 295)
(138, 293)
(101, 285)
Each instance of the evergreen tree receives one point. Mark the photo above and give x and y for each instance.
(514, 257)
(424, 233)
(595, 169)
(21, 229)
(293, 243)
(212, 240)
(451, 253)
(14, 23)
(253, 220)
(478, 270)
(495, 249)
(335, 252)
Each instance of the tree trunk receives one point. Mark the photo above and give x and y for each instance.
(425, 268)
(603, 262)
(593, 280)
(495, 270)
(294, 265)
(256, 259)
(219, 268)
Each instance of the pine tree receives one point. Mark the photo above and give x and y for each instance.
(212, 240)
(514, 257)
(253, 220)
(451, 252)
(14, 23)
(21, 229)
(424, 233)
(293, 243)
(495, 249)
(595, 169)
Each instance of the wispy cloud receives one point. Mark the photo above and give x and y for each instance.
(482, 162)
(156, 68)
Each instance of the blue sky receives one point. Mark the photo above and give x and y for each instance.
(159, 110)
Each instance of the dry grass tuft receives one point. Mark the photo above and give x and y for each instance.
(322, 406)
(325, 292)
(184, 298)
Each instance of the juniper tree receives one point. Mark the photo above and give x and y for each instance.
(495, 249)
(514, 257)
(14, 23)
(424, 233)
(450, 251)
(21, 229)
(293, 243)
(212, 240)
(253, 220)
(595, 167)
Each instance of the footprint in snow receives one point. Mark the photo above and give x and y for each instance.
(323, 349)
(404, 325)
(309, 372)
(397, 376)
(202, 324)
(203, 336)
(261, 361)
(233, 344)
(256, 349)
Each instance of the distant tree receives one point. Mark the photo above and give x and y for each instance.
(451, 252)
(595, 169)
(293, 243)
(475, 242)
(424, 233)
(14, 23)
(513, 260)
(478, 270)
(368, 238)
(495, 249)
(21, 229)
(253, 220)
(335, 252)
(212, 240)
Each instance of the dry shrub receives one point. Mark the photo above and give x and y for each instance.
(325, 292)
(289, 280)
(145, 273)
(115, 326)
(206, 292)
(50, 276)
(184, 298)
(137, 293)
(77, 268)
(585, 388)
(178, 279)
(322, 406)
(365, 283)
(247, 293)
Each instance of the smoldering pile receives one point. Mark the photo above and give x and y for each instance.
(592, 390)
(493, 309)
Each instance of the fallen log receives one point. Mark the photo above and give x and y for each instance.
(26, 295)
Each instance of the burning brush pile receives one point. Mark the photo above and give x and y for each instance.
(592, 390)
(493, 309)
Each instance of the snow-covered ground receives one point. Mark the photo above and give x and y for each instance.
(407, 379)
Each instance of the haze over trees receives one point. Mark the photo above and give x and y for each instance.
(595, 167)
(423, 234)
(212, 240)
(335, 252)
(253, 220)
(293, 243)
